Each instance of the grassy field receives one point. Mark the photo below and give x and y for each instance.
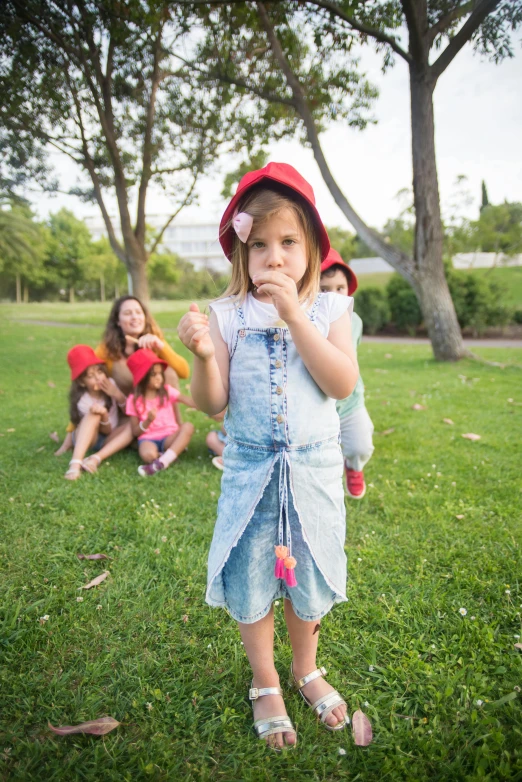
(438, 531)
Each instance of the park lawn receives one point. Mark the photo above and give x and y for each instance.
(144, 648)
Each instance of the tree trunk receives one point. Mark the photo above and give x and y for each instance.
(102, 288)
(18, 289)
(138, 278)
(71, 295)
(26, 293)
(116, 291)
(430, 284)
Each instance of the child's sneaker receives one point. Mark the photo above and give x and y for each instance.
(355, 485)
(147, 470)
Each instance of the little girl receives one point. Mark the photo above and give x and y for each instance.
(155, 418)
(93, 406)
(278, 353)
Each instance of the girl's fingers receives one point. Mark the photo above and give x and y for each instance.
(199, 334)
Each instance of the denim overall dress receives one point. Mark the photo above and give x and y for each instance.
(282, 483)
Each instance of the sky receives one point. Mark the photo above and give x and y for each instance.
(478, 116)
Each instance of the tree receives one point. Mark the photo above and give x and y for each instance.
(485, 199)
(99, 81)
(299, 56)
(68, 247)
(21, 246)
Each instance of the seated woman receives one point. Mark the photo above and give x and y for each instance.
(130, 326)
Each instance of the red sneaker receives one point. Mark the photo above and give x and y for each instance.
(355, 485)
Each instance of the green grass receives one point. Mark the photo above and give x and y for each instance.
(412, 566)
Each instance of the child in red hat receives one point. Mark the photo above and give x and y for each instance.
(93, 400)
(276, 353)
(155, 418)
(356, 424)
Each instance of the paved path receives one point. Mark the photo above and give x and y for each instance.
(473, 343)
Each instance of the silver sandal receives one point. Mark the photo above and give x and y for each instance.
(74, 470)
(324, 705)
(269, 726)
(86, 467)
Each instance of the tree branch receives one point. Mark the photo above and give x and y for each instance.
(399, 261)
(147, 142)
(482, 9)
(446, 21)
(176, 213)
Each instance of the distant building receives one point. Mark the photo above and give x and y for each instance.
(194, 242)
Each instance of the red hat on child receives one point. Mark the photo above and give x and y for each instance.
(142, 362)
(334, 259)
(282, 174)
(80, 358)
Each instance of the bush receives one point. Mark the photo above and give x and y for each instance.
(517, 316)
(479, 302)
(405, 312)
(372, 306)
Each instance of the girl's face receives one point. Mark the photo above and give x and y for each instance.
(278, 245)
(156, 378)
(131, 318)
(337, 283)
(93, 377)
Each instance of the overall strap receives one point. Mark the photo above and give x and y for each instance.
(240, 314)
(313, 312)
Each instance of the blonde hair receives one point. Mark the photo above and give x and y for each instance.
(262, 203)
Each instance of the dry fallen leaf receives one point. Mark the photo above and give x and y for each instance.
(54, 437)
(448, 421)
(51, 384)
(460, 516)
(92, 556)
(96, 580)
(39, 450)
(416, 406)
(519, 647)
(95, 727)
(387, 431)
(11, 430)
(361, 729)
(388, 355)
(471, 436)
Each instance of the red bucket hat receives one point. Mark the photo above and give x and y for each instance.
(334, 259)
(80, 358)
(282, 174)
(141, 362)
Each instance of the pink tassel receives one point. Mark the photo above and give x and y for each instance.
(279, 570)
(290, 578)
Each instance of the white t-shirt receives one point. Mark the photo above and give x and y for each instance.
(263, 316)
(86, 401)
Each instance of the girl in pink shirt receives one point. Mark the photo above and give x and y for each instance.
(154, 413)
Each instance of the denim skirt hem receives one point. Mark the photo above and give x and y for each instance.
(282, 594)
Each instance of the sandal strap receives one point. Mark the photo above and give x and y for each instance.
(272, 725)
(255, 692)
(325, 705)
(75, 461)
(299, 683)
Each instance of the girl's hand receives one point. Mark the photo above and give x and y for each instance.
(150, 342)
(108, 387)
(283, 292)
(98, 409)
(151, 415)
(194, 332)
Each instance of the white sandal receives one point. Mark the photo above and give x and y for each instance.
(87, 467)
(270, 726)
(324, 705)
(74, 470)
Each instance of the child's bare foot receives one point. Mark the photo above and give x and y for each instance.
(319, 688)
(267, 707)
(74, 471)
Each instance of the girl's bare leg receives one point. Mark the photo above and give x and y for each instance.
(86, 434)
(66, 445)
(118, 439)
(215, 444)
(258, 639)
(181, 439)
(304, 637)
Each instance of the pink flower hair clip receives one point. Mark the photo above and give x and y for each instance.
(242, 225)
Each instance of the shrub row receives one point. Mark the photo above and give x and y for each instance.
(478, 303)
